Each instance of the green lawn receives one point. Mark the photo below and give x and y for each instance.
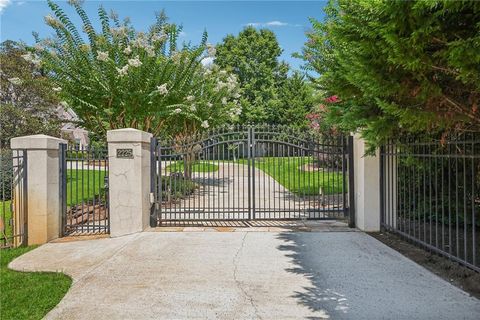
(290, 174)
(83, 185)
(6, 215)
(198, 166)
(28, 295)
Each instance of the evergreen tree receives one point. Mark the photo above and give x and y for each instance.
(398, 66)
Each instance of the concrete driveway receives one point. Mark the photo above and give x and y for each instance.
(245, 275)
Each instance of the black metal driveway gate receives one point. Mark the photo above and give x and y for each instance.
(251, 173)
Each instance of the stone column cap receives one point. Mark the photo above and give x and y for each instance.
(36, 142)
(128, 135)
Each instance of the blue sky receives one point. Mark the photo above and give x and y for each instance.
(288, 19)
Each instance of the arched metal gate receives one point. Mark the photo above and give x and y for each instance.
(251, 173)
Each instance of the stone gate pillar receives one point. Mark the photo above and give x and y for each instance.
(43, 186)
(129, 180)
(367, 187)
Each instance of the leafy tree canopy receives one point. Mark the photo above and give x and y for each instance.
(253, 56)
(398, 66)
(27, 104)
(119, 77)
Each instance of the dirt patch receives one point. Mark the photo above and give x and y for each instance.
(80, 238)
(460, 276)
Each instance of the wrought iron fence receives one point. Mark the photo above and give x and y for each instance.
(84, 190)
(13, 206)
(251, 173)
(430, 194)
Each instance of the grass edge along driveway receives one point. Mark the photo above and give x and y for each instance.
(28, 295)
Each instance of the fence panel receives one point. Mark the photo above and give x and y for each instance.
(430, 194)
(13, 205)
(84, 190)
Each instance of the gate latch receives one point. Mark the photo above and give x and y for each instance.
(152, 198)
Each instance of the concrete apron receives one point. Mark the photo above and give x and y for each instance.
(245, 275)
(257, 226)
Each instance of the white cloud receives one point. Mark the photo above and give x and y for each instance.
(182, 34)
(4, 4)
(274, 23)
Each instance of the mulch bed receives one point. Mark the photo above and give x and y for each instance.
(85, 213)
(460, 276)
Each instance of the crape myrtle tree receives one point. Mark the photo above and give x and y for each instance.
(269, 94)
(27, 104)
(398, 66)
(118, 77)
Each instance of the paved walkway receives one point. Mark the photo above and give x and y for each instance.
(245, 275)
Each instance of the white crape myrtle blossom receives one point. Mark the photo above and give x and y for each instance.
(224, 100)
(53, 22)
(48, 42)
(235, 112)
(176, 56)
(28, 56)
(57, 89)
(150, 51)
(102, 56)
(209, 104)
(37, 61)
(190, 98)
(231, 82)
(205, 124)
(220, 85)
(135, 62)
(178, 110)
(159, 37)
(118, 32)
(122, 71)
(140, 41)
(211, 51)
(162, 89)
(193, 108)
(127, 50)
(15, 81)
